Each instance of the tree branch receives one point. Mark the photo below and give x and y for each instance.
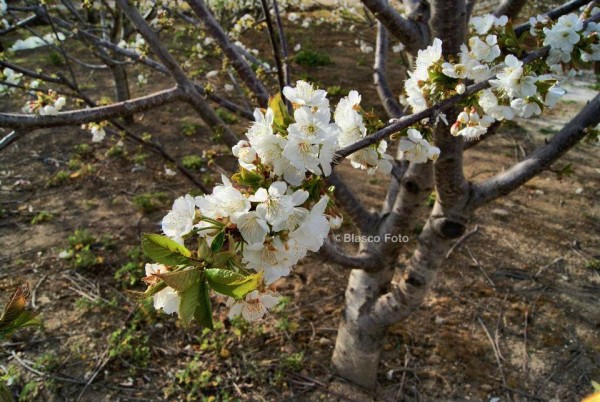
(555, 13)
(414, 34)
(353, 206)
(19, 24)
(510, 8)
(274, 44)
(230, 51)
(333, 253)
(96, 114)
(194, 98)
(387, 97)
(99, 42)
(12, 137)
(284, 44)
(540, 159)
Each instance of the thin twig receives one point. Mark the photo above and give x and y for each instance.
(496, 352)
(103, 361)
(42, 374)
(35, 288)
(478, 265)
(274, 44)
(459, 241)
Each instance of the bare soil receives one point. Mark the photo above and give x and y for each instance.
(513, 314)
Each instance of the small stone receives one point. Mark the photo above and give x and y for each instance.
(324, 341)
(439, 320)
(43, 300)
(539, 192)
(500, 212)
(579, 190)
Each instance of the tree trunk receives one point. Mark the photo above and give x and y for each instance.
(358, 345)
(373, 301)
(121, 87)
(360, 339)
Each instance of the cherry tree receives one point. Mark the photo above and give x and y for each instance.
(471, 73)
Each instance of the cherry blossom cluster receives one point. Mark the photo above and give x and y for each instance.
(96, 129)
(33, 42)
(276, 209)
(137, 45)
(9, 76)
(45, 103)
(493, 50)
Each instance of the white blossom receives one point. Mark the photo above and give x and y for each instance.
(167, 299)
(274, 205)
(486, 51)
(304, 94)
(180, 220)
(416, 149)
(253, 307)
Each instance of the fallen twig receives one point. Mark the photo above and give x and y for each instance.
(459, 241)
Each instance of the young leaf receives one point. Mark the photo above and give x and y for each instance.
(15, 316)
(181, 280)
(165, 251)
(195, 303)
(279, 111)
(190, 299)
(203, 313)
(231, 283)
(217, 242)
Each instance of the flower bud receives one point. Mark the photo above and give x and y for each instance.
(455, 129)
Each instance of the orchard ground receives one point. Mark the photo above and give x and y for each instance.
(513, 312)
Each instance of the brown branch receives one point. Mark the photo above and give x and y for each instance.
(555, 13)
(284, 44)
(414, 34)
(510, 8)
(230, 51)
(335, 254)
(99, 42)
(387, 97)
(191, 94)
(363, 219)
(274, 44)
(96, 114)
(19, 24)
(540, 159)
(413, 189)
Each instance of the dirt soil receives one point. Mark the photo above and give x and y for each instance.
(513, 314)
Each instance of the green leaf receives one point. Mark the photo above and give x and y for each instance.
(195, 303)
(181, 280)
(231, 283)
(220, 259)
(595, 385)
(203, 313)
(165, 251)
(217, 242)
